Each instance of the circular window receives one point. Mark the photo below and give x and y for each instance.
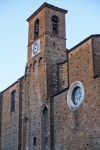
(75, 95)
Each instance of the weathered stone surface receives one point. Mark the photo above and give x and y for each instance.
(79, 129)
(42, 119)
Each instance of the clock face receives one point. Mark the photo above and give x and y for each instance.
(77, 95)
(36, 48)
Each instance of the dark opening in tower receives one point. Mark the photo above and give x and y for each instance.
(45, 128)
(54, 20)
(36, 29)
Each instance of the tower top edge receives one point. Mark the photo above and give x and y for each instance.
(48, 6)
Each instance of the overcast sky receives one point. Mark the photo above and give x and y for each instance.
(82, 20)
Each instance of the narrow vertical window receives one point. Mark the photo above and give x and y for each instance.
(13, 100)
(54, 20)
(34, 141)
(36, 29)
(45, 128)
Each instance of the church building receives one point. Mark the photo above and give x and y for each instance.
(55, 105)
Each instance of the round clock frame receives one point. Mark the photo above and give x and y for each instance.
(35, 48)
(75, 96)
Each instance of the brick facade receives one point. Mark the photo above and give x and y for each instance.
(79, 130)
(42, 119)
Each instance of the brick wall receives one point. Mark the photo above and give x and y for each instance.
(78, 129)
(63, 75)
(11, 127)
(35, 98)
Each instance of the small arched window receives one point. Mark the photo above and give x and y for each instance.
(36, 29)
(45, 114)
(44, 128)
(54, 20)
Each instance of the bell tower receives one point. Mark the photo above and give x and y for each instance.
(47, 38)
(46, 48)
(47, 20)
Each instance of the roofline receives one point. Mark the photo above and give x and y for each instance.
(49, 6)
(86, 39)
(98, 75)
(63, 62)
(12, 84)
(59, 92)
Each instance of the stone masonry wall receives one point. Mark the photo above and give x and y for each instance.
(41, 17)
(10, 120)
(80, 129)
(55, 48)
(63, 75)
(41, 73)
(52, 47)
(36, 99)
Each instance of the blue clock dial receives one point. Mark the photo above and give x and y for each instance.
(35, 48)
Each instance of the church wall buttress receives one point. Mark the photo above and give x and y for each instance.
(55, 53)
(36, 97)
(96, 55)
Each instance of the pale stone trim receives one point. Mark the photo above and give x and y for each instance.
(70, 103)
